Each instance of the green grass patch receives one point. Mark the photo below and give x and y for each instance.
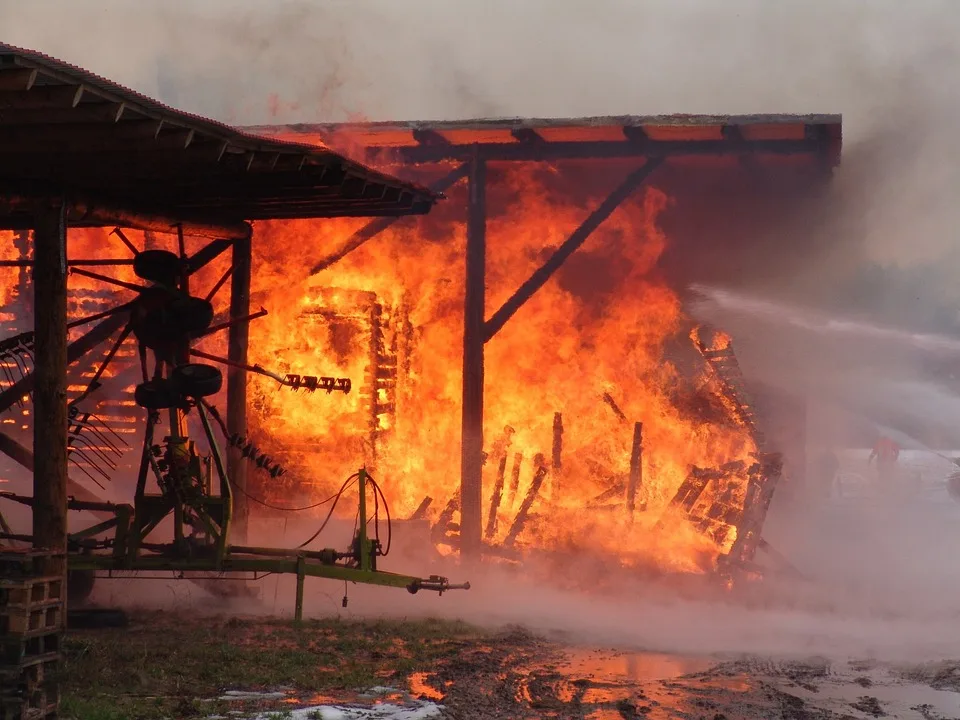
(164, 666)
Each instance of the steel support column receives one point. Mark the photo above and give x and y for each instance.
(50, 378)
(237, 382)
(471, 442)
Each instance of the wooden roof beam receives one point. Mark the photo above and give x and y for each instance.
(103, 112)
(40, 97)
(105, 139)
(17, 79)
(527, 135)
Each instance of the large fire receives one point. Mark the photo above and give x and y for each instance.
(598, 344)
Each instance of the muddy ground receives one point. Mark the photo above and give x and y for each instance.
(168, 666)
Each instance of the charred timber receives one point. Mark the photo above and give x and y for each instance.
(557, 458)
(375, 227)
(524, 513)
(443, 524)
(238, 338)
(421, 512)
(636, 468)
(500, 453)
(471, 443)
(540, 276)
(608, 399)
(515, 477)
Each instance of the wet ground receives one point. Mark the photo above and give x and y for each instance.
(524, 677)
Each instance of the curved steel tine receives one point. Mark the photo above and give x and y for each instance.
(84, 470)
(94, 449)
(93, 429)
(93, 464)
(113, 432)
(21, 364)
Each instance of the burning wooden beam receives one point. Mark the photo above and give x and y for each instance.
(557, 456)
(540, 276)
(421, 512)
(523, 514)
(471, 438)
(375, 227)
(500, 452)
(515, 477)
(636, 469)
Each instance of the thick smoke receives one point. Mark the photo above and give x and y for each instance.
(890, 67)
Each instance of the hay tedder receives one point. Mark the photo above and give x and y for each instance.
(180, 482)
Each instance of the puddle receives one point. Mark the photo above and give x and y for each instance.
(617, 667)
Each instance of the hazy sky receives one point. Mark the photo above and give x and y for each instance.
(420, 59)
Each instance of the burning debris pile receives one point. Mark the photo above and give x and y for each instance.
(608, 431)
(596, 441)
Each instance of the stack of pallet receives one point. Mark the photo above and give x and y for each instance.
(31, 626)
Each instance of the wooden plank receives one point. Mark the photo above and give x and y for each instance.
(471, 438)
(50, 379)
(17, 79)
(106, 112)
(47, 96)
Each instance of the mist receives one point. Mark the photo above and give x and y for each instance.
(891, 68)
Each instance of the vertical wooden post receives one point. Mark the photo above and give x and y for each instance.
(636, 468)
(471, 439)
(50, 379)
(557, 460)
(237, 382)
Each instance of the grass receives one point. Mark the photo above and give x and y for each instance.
(165, 666)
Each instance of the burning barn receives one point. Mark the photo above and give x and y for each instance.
(514, 368)
(598, 419)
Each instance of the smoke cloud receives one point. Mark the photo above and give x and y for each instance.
(891, 68)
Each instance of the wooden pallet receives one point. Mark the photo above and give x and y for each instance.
(20, 563)
(19, 619)
(33, 673)
(27, 592)
(16, 651)
(38, 705)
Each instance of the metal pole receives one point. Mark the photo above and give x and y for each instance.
(237, 382)
(471, 439)
(50, 380)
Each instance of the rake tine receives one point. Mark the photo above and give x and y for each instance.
(113, 432)
(84, 470)
(77, 440)
(92, 463)
(93, 428)
(92, 422)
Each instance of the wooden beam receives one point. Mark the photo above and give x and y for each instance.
(50, 379)
(471, 438)
(93, 137)
(17, 79)
(45, 96)
(374, 228)
(76, 350)
(105, 112)
(105, 216)
(238, 339)
(569, 246)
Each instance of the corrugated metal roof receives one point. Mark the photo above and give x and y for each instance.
(65, 129)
